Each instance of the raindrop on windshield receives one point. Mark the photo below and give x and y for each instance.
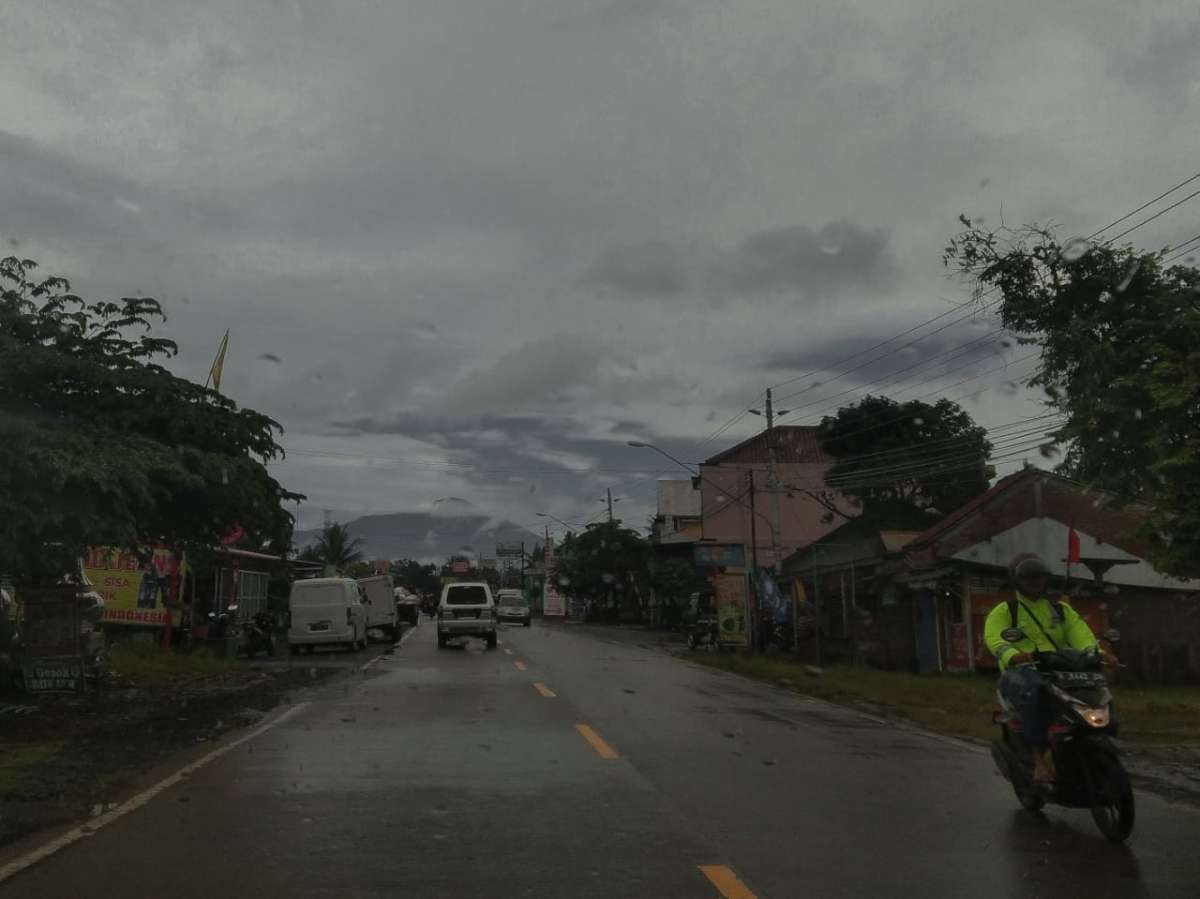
(829, 247)
(918, 421)
(271, 357)
(564, 581)
(1048, 450)
(224, 476)
(1137, 413)
(1133, 270)
(608, 578)
(1074, 249)
(1009, 388)
(1105, 296)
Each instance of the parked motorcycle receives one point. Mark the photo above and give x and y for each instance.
(1083, 722)
(258, 635)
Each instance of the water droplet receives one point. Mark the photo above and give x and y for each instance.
(271, 357)
(1133, 270)
(14, 243)
(224, 476)
(984, 182)
(1116, 434)
(1105, 296)
(1074, 249)
(918, 421)
(608, 578)
(564, 581)
(1137, 413)
(815, 384)
(185, 300)
(1048, 450)
(1009, 388)
(829, 247)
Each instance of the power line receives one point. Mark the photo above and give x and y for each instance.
(1145, 205)
(1151, 218)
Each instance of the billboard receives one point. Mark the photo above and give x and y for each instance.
(731, 601)
(134, 592)
(553, 602)
(719, 555)
(510, 550)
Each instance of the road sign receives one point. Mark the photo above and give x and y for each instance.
(510, 550)
(719, 555)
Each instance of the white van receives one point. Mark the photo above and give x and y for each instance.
(327, 610)
(381, 603)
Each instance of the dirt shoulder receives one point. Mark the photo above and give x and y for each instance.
(1160, 726)
(63, 758)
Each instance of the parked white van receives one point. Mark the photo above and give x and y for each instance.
(327, 610)
(381, 604)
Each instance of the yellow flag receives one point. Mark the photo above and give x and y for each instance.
(214, 373)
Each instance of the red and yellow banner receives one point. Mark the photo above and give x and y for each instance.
(137, 592)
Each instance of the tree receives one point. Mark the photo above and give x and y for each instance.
(901, 462)
(418, 578)
(336, 548)
(606, 563)
(1119, 332)
(674, 581)
(104, 447)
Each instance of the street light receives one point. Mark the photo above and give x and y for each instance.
(637, 444)
(565, 524)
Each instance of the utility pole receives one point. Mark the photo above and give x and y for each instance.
(773, 483)
(608, 490)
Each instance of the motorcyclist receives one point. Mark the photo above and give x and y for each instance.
(1047, 625)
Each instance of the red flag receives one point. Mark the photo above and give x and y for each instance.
(1072, 546)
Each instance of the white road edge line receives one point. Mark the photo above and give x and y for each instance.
(408, 633)
(31, 858)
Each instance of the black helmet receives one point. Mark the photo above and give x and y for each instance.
(1027, 567)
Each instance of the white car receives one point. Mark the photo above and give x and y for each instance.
(511, 605)
(466, 610)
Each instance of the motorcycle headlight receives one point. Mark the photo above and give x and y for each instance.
(1096, 717)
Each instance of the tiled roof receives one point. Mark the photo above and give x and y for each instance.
(793, 443)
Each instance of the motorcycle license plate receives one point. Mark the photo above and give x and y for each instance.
(1079, 678)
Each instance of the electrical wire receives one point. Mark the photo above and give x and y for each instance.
(1145, 205)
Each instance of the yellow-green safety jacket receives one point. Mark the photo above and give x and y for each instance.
(1041, 623)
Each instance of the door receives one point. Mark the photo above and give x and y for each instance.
(925, 623)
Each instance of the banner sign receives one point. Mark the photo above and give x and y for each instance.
(134, 592)
(553, 602)
(731, 595)
(51, 661)
(510, 550)
(719, 555)
(460, 566)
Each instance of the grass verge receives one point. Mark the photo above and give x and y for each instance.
(147, 665)
(958, 704)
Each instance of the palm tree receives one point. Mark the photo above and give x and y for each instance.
(335, 547)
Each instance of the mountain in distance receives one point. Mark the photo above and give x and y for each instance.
(430, 536)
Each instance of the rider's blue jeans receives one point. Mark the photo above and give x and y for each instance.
(1023, 688)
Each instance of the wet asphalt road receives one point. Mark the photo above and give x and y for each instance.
(451, 773)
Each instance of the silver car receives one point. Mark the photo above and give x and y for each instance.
(466, 610)
(511, 605)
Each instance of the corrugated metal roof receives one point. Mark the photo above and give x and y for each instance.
(793, 443)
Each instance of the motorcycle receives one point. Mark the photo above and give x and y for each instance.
(255, 635)
(1083, 722)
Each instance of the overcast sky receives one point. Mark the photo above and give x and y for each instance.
(469, 248)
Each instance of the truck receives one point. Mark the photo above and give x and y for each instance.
(380, 602)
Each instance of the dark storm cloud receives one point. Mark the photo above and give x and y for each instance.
(840, 254)
(654, 268)
(1167, 64)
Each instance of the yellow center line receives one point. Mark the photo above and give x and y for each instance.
(726, 881)
(520, 665)
(507, 651)
(544, 690)
(602, 749)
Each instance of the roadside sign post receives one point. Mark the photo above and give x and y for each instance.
(52, 660)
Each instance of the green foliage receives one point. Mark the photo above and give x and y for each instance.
(417, 578)
(674, 581)
(901, 461)
(103, 446)
(337, 548)
(1120, 339)
(606, 563)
